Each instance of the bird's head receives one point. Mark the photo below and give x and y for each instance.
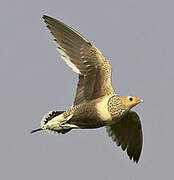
(130, 101)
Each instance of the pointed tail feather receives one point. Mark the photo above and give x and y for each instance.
(36, 130)
(47, 118)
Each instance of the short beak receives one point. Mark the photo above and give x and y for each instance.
(141, 101)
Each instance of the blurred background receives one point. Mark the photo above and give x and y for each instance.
(136, 36)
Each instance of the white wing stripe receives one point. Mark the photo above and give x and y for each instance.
(67, 59)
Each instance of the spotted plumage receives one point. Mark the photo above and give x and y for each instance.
(96, 104)
(115, 106)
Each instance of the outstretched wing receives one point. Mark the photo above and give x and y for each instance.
(127, 133)
(84, 58)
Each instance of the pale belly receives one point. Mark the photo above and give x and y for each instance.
(92, 115)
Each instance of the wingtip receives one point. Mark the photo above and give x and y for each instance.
(44, 16)
(136, 159)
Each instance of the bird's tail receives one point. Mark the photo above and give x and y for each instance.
(49, 116)
(36, 130)
(47, 120)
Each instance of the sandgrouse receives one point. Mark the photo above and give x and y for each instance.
(96, 104)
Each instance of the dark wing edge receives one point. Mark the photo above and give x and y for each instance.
(127, 133)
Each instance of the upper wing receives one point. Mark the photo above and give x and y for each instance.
(84, 58)
(128, 134)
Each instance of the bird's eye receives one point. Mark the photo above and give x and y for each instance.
(130, 99)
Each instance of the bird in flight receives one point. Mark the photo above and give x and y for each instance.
(96, 104)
